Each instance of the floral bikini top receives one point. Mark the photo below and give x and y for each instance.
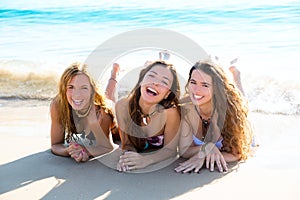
(155, 141)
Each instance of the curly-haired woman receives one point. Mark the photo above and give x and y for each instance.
(216, 129)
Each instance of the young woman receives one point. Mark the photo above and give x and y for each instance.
(80, 120)
(216, 129)
(149, 118)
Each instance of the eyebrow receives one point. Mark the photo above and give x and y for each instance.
(200, 82)
(164, 77)
(84, 85)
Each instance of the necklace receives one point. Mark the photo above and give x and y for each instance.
(146, 117)
(84, 114)
(205, 124)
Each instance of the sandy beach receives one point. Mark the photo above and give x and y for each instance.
(29, 170)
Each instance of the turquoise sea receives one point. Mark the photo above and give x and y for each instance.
(39, 39)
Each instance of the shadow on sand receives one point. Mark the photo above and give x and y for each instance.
(93, 179)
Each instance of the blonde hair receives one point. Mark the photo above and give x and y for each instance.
(65, 109)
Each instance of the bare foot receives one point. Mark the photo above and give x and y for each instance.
(237, 78)
(235, 73)
(164, 55)
(115, 70)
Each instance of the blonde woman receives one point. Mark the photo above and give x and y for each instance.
(81, 121)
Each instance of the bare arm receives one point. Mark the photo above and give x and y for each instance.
(171, 137)
(57, 132)
(100, 127)
(136, 161)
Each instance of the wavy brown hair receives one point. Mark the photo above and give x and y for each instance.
(65, 109)
(134, 108)
(232, 110)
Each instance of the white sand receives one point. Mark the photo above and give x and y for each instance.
(28, 170)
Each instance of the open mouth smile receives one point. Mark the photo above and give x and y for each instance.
(77, 102)
(151, 91)
(198, 97)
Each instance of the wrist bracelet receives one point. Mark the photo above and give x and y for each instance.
(113, 79)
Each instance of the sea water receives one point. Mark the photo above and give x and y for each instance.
(39, 39)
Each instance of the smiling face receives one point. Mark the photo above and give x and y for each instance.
(79, 92)
(156, 84)
(200, 88)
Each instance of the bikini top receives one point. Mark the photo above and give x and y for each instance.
(156, 141)
(199, 142)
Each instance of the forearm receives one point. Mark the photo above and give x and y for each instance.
(98, 150)
(103, 143)
(190, 151)
(229, 157)
(59, 149)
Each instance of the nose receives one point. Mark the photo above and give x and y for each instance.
(76, 93)
(155, 83)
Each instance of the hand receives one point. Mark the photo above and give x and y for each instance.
(131, 161)
(213, 155)
(194, 163)
(77, 152)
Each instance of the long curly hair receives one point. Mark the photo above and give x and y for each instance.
(65, 109)
(134, 109)
(231, 108)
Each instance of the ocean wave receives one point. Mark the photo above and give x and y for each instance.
(265, 95)
(27, 85)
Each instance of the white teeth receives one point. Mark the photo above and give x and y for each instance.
(152, 90)
(77, 101)
(197, 96)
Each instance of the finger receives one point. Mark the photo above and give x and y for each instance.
(185, 163)
(219, 165)
(224, 163)
(197, 169)
(130, 168)
(178, 169)
(212, 163)
(119, 167)
(78, 158)
(127, 162)
(208, 157)
(189, 169)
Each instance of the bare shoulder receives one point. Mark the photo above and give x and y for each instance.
(185, 99)
(122, 101)
(54, 107)
(122, 104)
(172, 112)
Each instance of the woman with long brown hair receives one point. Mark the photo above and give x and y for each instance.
(216, 128)
(81, 121)
(149, 118)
